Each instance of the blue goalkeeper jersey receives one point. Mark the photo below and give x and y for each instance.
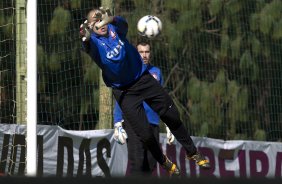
(152, 116)
(119, 60)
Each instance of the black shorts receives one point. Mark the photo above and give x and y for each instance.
(147, 89)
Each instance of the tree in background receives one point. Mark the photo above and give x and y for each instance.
(223, 57)
(68, 79)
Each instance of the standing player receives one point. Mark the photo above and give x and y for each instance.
(141, 160)
(104, 38)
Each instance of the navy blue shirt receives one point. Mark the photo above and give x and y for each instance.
(119, 60)
(152, 116)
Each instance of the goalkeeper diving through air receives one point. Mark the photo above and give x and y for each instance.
(141, 161)
(104, 39)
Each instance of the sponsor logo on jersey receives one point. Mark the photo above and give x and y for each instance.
(116, 50)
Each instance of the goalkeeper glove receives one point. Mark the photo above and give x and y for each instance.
(105, 17)
(119, 133)
(170, 137)
(85, 31)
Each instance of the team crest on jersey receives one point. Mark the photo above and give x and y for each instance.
(155, 76)
(113, 34)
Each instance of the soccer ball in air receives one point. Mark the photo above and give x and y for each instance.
(149, 26)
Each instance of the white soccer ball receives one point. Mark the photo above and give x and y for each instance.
(149, 26)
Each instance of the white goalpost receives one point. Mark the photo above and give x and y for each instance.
(31, 135)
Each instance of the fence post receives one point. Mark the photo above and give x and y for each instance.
(21, 62)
